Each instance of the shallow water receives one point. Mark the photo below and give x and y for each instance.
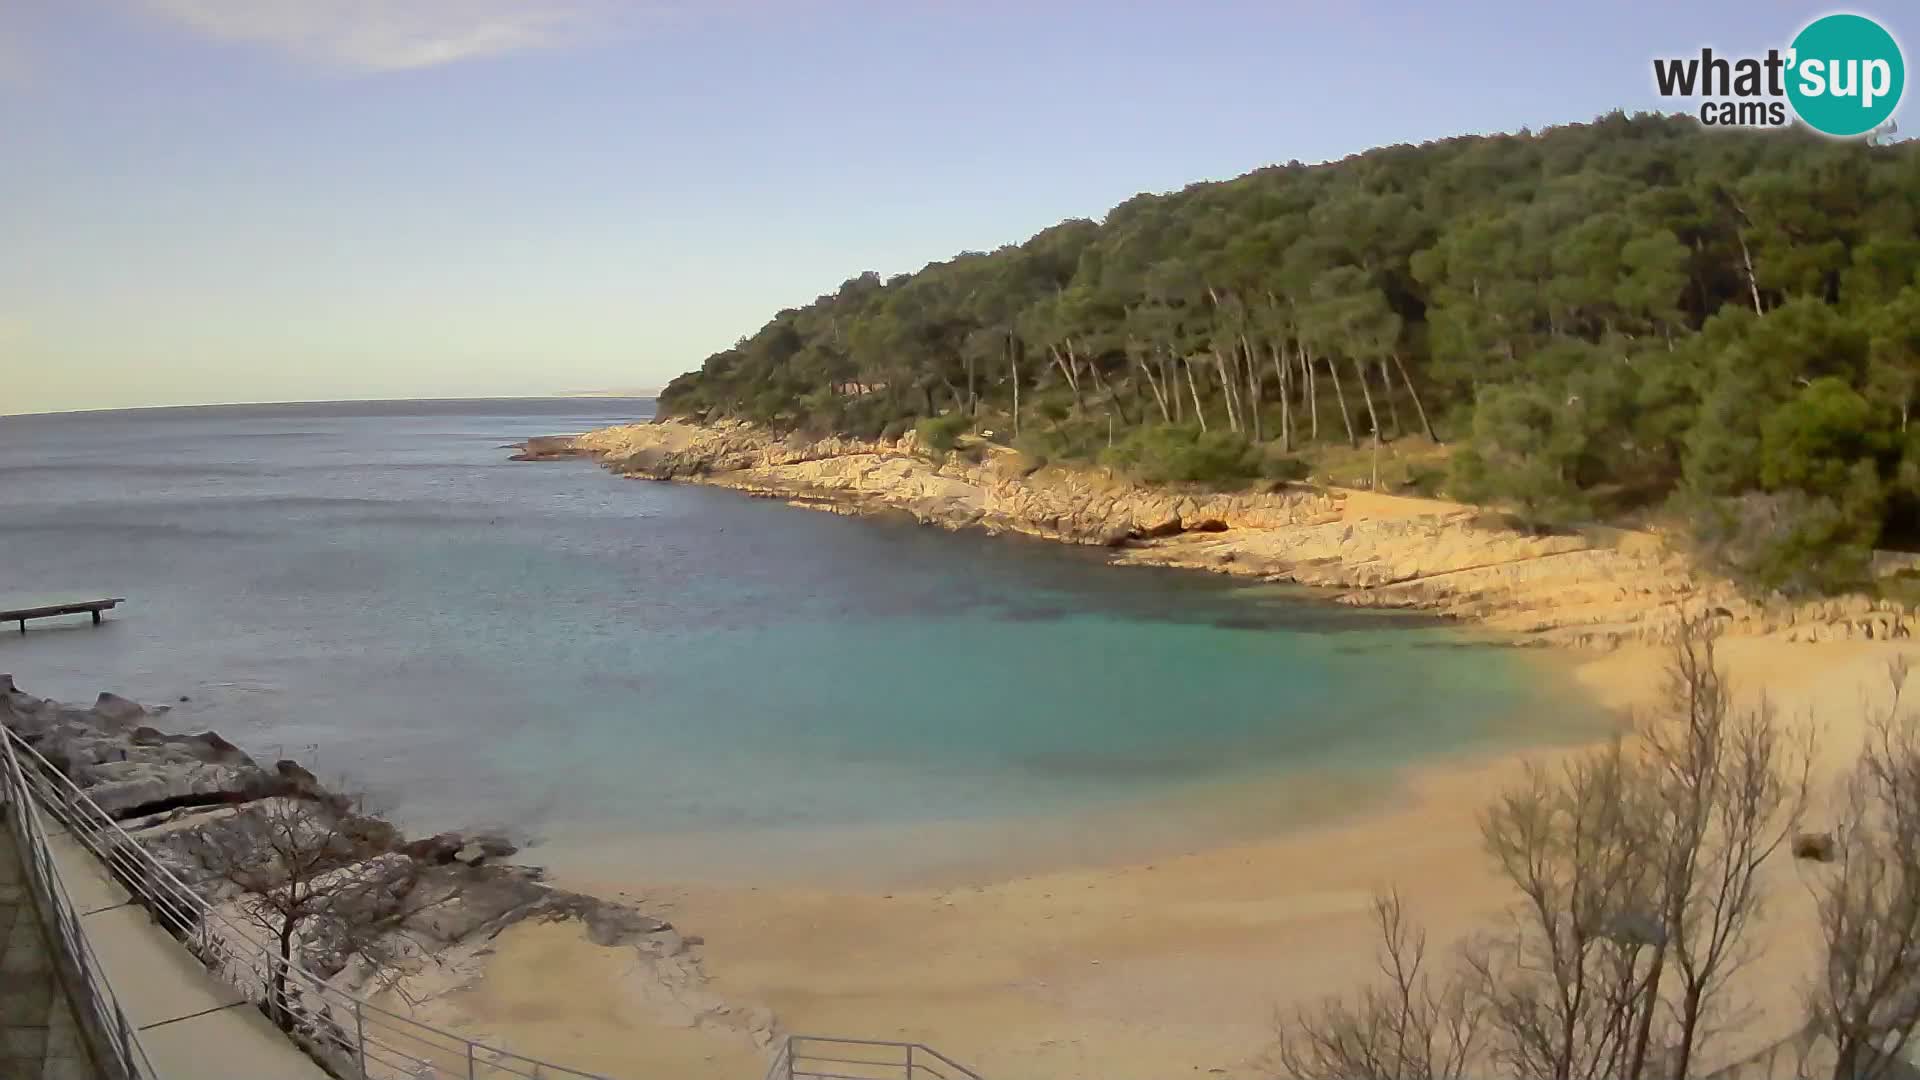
(711, 679)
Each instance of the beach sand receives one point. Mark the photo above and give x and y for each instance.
(1134, 971)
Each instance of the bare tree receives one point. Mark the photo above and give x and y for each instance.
(1410, 1029)
(1866, 998)
(1562, 984)
(290, 859)
(1723, 787)
(1638, 871)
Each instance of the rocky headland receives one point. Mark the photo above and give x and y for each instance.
(1597, 587)
(419, 917)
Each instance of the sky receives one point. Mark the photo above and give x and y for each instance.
(272, 200)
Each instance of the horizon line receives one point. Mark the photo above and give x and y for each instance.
(580, 396)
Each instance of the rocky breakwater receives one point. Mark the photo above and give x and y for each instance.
(1596, 587)
(406, 923)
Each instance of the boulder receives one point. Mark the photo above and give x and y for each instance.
(1815, 847)
(113, 707)
(436, 850)
(296, 780)
(206, 746)
(131, 787)
(325, 945)
(1168, 525)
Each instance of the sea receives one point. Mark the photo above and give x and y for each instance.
(680, 683)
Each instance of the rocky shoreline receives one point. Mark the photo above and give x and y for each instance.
(1596, 588)
(419, 922)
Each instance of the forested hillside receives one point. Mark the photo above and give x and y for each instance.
(1632, 316)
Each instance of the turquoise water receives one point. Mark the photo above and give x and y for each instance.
(585, 658)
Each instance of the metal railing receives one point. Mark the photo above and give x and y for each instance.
(110, 1035)
(350, 1036)
(814, 1057)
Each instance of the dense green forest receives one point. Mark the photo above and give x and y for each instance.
(1633, 317)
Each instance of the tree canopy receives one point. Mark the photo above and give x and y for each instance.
(1597, 319)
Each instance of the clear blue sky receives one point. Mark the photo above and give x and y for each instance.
(234, 200)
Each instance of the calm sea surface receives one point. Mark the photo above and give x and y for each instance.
(703, 682)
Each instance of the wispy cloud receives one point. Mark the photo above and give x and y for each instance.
(394, 35)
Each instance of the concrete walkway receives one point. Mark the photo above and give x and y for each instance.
(193, 1025)
(38, 1038)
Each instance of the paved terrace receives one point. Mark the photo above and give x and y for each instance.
(38, 1037)
(190, 1023)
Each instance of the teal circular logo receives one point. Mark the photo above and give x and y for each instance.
(1846, 76)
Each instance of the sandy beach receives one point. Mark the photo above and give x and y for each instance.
(1130, 971)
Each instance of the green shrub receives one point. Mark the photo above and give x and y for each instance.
(1814, 441)
(1787, 541)
(1065, 441)
(938, 433)
(1425, 481)
(1041, 447)
(1278, 466)
(865, 417)
(1167, 454)
(1524, 452)
(896, 427)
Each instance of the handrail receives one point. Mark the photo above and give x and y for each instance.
(111, 1036)
(819, 1057)
(350, 1035)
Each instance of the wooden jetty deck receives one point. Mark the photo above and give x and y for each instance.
(48, 611)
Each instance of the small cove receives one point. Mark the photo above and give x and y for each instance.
(705, 684)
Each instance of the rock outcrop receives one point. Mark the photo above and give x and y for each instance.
(1596, 587)
(409, 916)
(546, 448)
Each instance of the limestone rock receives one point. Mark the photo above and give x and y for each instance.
(1597, 588)
(438, 849)
(119, 710)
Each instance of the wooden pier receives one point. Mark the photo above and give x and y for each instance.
(48, 611)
